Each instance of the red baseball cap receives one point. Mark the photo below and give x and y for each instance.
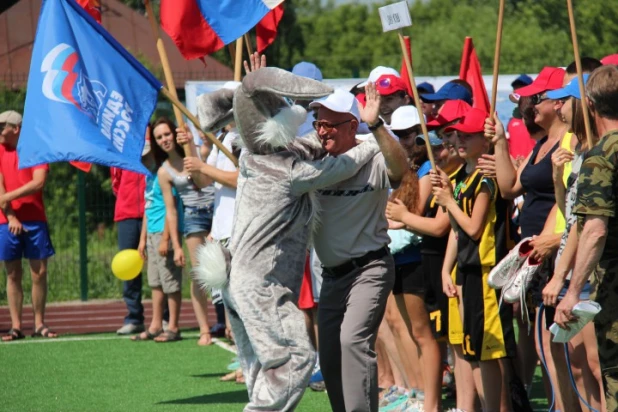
(472, 122)
(550, 78)
(450, 111)
(389, 84)
(611, 59)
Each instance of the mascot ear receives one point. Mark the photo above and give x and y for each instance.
(283, 83)
(215, 109)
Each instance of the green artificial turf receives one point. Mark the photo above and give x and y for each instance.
(110, 374)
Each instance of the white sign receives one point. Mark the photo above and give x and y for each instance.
(395, 16)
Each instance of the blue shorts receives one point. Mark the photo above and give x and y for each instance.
(197, 219)
(32, 243)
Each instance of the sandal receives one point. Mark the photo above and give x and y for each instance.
(169, 336)
(208, 339)
(44, 332)
(146, 335)
(13, 334)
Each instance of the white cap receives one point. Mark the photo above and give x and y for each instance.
(10, 116)
(341, 101)
(404, 118)
(231, 85)
(377, 73)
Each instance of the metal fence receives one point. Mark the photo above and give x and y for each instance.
(80, 212)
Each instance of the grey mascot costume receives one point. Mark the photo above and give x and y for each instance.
(275, 212)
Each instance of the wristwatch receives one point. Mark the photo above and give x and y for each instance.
(376, 125)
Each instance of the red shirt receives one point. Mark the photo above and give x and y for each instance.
(520, 142)
(129, 188)
(28, 208)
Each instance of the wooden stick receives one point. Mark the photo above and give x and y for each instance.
(174, 100)
(494, 85)
(248, 44)
(417, 100)
(238, 60)
(580, 77)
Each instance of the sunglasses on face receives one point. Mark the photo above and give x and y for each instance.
(404, 134)
(327, 126)
(538, 99)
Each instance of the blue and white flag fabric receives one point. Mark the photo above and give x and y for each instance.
(88, 99)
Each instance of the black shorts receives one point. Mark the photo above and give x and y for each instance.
(436, 301)
(409, 279)
(488, 328)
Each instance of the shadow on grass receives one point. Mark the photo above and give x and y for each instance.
(239, 396)
(209, 375)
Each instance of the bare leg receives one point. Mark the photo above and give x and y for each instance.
(14, 291)
(412, 349)
(198, 297)
(585, 367)
(551, 367)
(174, 301)
(388, 343)
(429, 351)
(403, 341)
(38, 270)
(158, 301)
(464, 381)
(385, 373)
(491, 377)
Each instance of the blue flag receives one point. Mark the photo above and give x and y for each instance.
(88, 99)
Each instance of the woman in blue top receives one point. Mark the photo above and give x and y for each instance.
(410, 284)
(164, 276)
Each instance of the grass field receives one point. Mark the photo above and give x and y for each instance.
(109, 373)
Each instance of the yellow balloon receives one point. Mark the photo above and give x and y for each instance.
(127, 264)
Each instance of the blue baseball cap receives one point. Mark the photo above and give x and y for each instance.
(450, 91)
(425, 87)
(521, 81)
(434, 140)
(571, 89)
(306, 69)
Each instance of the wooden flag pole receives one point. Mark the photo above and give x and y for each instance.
(494, 84)
(248, 44)
(170, 92)
(580, 77)
(417, 100)
(238, 60)
(174, 100)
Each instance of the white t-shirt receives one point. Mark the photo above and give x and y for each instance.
(225, 197)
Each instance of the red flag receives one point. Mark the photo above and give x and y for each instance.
(404, 70)
(470, 71)
(93, 7)
(266, 29)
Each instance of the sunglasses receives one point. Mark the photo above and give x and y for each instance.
(327, 126)
(404, 134)
(538, 99)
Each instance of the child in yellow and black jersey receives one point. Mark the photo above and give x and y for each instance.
(478, 240)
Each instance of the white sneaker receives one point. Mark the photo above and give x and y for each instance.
(516, 290)
(504, 271)
(130, 329)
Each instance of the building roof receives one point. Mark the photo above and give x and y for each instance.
(130, 28)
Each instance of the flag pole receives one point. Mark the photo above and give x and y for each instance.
(238, 60)
(171, 90)
(494, 84)
(177, 104)
(248, 44)
(580, 77)
(417, 100)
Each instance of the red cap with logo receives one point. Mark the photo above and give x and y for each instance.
(450, 111)
(550, 78)
(389, 84)
(472, 122)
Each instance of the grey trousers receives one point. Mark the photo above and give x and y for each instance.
(274, 349)
(349, 315)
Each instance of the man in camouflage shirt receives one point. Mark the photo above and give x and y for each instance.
(597, 210)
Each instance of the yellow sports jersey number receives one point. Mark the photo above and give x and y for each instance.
(436, 316)
(467, 348)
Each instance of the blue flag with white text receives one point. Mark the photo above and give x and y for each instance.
(88, 99)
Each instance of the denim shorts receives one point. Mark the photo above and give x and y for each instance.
(33, 242)
(197, 219)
